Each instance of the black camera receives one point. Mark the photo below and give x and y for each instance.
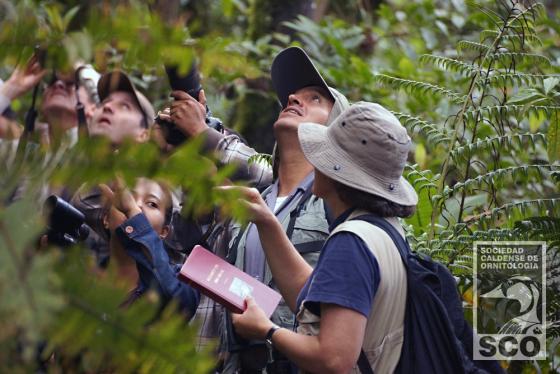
(66, 224)
(190, 84)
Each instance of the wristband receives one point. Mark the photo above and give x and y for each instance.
(268, 337)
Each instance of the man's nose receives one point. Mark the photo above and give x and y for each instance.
(59, 84)
(107, 107)
(293, 99)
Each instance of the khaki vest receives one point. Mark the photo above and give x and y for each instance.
(383, 336)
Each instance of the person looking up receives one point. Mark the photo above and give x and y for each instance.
(124, 112)
(138, 221)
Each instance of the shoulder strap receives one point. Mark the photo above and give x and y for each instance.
(296, 212)
(363, 364)
(403, 248)
(232, 253)
(289, 231)
(400, 242)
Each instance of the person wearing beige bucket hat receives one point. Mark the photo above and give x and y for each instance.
(365, 149)
(354, 300)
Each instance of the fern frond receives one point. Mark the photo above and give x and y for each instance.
(517, 111)
(516, 79)
(472, 46)
(492, 177)
(496, 234)
(544, 206)
(432, 132)
(515, 40)
(507, 58)
(547, 228)
(533, 11)
(492, 234)
(450, 65)
(412, 86)
(502, 142)
(488, 34)
(491, 14)
(441, 253)
(420, 179)
(461, 270)
(259, 158)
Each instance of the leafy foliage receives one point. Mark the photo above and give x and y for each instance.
(496, 133)
(475, 84)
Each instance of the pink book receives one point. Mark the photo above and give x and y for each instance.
(224, 283)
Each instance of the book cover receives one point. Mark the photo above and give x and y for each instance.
(224, 283)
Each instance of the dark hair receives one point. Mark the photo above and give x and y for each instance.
(144, 121)
(372, 203)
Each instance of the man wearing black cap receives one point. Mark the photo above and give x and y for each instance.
(305, 97)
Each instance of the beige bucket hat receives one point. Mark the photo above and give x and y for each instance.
(365, 148)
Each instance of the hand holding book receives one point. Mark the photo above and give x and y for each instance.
(226, 284)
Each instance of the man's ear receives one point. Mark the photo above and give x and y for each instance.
(143, 136)
(164, 232)
(105, 221)
(89, 110)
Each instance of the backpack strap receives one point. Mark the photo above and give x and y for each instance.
(402, 246)
(363, 364)
(400, 242)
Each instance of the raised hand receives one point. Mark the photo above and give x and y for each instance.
(259, 212)
(188, 114)
(120, 198)
(23, 79)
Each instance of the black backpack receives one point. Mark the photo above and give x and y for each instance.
(437, 338)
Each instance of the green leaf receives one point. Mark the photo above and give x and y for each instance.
(68, 16)
(423, 214)
(227, 8)
(536, 120)
(420, 155)
(553, 141)
(29, 290)
(550, 83)
(54, 17)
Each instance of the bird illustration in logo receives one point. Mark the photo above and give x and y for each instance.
(525, 291)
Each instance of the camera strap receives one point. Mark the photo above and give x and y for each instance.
(82, 124)
(29, 126)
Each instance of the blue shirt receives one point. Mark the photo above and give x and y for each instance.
(347, 274)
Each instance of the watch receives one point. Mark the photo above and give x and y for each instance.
(268, 337)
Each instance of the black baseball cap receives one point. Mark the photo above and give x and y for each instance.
(292, 70)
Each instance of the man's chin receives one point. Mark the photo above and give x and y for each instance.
(57, 103)
(100, 133)
(286, 125)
